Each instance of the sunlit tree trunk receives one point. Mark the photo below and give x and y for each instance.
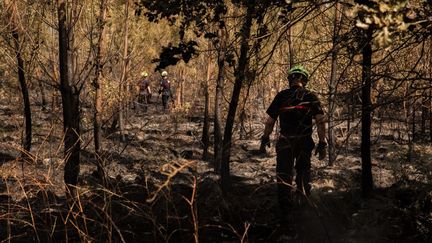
(180, 96)
(100, 47)
(123, 80)
(332, 86)
(291, 48)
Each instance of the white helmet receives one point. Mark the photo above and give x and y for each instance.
(144, 74)
(164, 73)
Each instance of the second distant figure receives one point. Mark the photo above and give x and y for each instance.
(144, 91)
(165, 90)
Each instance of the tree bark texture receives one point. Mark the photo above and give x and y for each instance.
(97, 85)
(123, 80)
(218, 101)
(71, 104)
(332, 87)
(24, 90)
(206, 125)
(21, 78)
(424, 115)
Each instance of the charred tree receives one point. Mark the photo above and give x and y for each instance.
(25, 95)
(71, 103)
(12, 8)
(430, 115)
(424, 115)
(218, 100)
(367, 179)
(206, 125)
(239, 78)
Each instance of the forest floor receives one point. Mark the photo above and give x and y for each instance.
(136, 205)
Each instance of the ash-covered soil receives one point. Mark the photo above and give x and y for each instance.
(158, 188)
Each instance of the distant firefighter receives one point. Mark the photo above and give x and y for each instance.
(165, 90)
(144, 91)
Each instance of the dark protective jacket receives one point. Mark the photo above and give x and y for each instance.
(165, 88)
(295, 107)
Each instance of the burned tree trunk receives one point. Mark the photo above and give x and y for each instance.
(21, 78)
(25, 94)
(206, 125)
(424, 115)
(240, 76)
(218, 100)
(367, 180)
(430, 115)
(71, 104)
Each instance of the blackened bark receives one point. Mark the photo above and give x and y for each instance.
(217, 110)
(240, 76)
(205, 135)
(367, 180)
(206, 125)
(24, 91)
(12, 11)
(413, 120)
(424, 114)
(70, 102)
(430, 115)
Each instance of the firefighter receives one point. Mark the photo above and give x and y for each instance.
(165, 90)
(295, 107)
(144, 90)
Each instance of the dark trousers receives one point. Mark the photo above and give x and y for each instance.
(293, 153)
(144, 99)
(165, 99)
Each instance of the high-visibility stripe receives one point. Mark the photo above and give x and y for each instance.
(299, 107)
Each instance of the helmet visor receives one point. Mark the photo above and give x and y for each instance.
(297, 77)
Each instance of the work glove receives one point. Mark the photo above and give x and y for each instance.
(265, 141)
(321, 150)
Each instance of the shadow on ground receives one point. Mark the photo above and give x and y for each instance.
(249, 212)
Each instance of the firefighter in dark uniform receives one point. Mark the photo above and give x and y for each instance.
(144, 91)
(165, 90)
(295, 107)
